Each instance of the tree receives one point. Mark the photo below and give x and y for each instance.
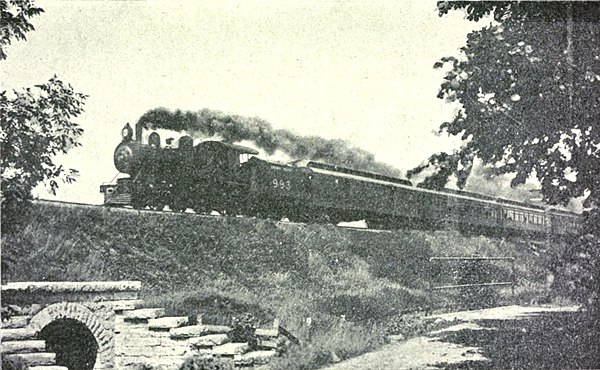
(15, 16)
(529, 89)
(528, 85)
(36, 124)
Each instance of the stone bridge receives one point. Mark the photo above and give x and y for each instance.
(100, 325)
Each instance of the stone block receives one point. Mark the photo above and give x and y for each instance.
(166, 323)
(127, 304)
(48, 367)
(210, 340)
(17, 334)
(269, 343)
(231, 349)
(21, 346)
(254, 358)
(121, 296)
(144, 314)
(396, 337)
(16, 322)
(267, 332)
(154, 351)
(121, 346)
(198, 330)
(39, 358)
(71, 286)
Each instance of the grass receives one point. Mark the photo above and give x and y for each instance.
(222, 267)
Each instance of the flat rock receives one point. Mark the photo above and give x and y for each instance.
(127, 304)
(209, 340)
(268, 343)
(165, 323)
(17, 334)
(198, 331)
(72, 286)
(267, 332)
(40, 358)
(396, 337)
(16, 322)
(21, 346)
(144, 314)
(231, 349)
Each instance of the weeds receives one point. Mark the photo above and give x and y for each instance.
(221, 268)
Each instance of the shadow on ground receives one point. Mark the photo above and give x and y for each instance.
(555, 340)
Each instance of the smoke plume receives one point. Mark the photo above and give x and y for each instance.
(235, 128)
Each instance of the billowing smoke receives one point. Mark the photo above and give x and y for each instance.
(484, 181)
(235, 128)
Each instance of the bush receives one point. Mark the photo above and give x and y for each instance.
(206, 363)
(13, 363)
(244, 330)
(332, 341)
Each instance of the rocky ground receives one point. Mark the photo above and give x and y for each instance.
(497, 338)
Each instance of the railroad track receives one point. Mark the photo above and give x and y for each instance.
(123, 209)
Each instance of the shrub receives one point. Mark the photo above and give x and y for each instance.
(14, 363)
(331, 342)
(206, 363)
(244, 330)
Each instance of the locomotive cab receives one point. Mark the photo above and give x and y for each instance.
(223, 159)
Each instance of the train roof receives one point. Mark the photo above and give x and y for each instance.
(459, 194)
(350, 171)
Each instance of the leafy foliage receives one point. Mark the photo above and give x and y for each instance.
(206, 363)
(15, 16)
(244, 330)
(36, 127)
(529, 89)
(36, 124)
(14, 363)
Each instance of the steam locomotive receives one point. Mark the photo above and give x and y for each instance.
(230, 179)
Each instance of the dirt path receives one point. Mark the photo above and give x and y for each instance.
(497, 338)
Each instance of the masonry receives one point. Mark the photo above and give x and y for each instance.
(100, 325)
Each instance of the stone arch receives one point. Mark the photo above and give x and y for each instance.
(75, 311)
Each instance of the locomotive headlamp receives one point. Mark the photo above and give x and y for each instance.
(127, 133)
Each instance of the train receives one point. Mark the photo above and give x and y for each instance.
(231, 179)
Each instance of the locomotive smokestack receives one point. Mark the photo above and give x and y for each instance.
(138, 131)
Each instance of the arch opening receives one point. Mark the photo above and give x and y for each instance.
(73, 342)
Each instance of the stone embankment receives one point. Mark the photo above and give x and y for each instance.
(125, 335)
(145, 336)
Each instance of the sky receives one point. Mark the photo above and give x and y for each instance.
(361, 71)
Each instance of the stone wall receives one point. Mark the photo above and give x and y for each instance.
(127, 336)
(34, 305)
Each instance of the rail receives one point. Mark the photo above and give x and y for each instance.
(479, 275)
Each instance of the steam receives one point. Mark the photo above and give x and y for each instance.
(235, 129)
